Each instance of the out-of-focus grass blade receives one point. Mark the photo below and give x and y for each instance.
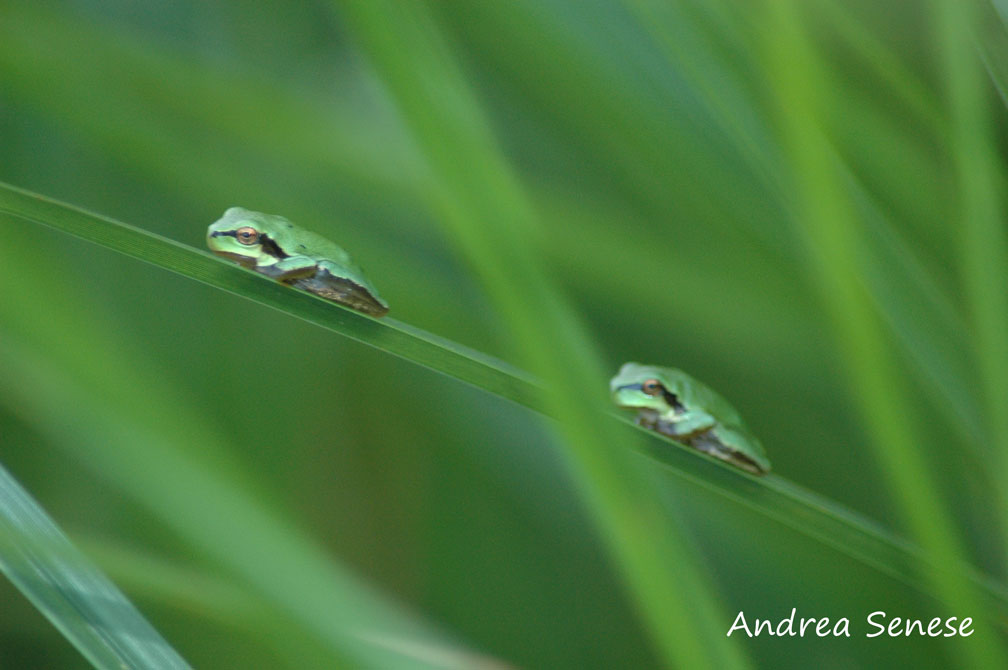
(906, 297)
(992, 43)
(982, 243)
(141, 73)
(900, 80)
(215, 599)
(486, 213)
(78, 599)
(775, 497)
(828, 218)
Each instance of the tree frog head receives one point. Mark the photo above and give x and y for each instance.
(639, 386)
(246, 236)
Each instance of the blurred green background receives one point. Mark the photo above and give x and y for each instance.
(657, 144)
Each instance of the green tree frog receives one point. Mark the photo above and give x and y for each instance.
(671, 402)
(275, 247)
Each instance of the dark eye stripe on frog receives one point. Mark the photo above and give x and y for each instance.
(672, 400)
(270, 247)
(669, 397)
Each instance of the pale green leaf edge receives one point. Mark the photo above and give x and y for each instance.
(73, 594)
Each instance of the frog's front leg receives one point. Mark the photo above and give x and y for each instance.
(647, 418)
(690, 423)
(290, 268)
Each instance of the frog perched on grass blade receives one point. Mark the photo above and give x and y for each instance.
(275, 247)
(671, 402)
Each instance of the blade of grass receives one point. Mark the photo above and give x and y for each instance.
(638, 118)
(873, 54)
(817, 517)
(983, 247)
(389, 335)
(828, 219)
(119, 75)
(488, 216)
(79, 600)
(208, 597)
(230, 604)
(165, 580)
(991, 39)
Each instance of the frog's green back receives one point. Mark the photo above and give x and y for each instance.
(697, 394)
(296, 240)
(732, 430)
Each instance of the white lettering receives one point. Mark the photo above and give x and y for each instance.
(740, 624)
(967, 622)
(881, 628)
(789, 630)
(843, 629)
(894, 626)
(899, 627)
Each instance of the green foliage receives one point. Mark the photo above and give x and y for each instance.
(807, 218)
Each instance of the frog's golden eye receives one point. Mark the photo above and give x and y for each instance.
(652, 387)
(247, 235)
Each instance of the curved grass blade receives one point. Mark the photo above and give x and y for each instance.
(819, 518)
(74, 595)
(400, 339)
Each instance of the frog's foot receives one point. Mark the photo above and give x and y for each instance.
(342, 290)
(708, 443)
(647, 418)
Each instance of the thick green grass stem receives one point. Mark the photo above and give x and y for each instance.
(486, 213)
